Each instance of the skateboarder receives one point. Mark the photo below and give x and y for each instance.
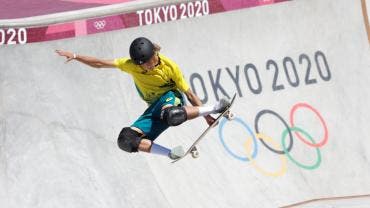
(160, 83)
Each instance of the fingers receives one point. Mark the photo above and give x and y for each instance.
(59, 52)
(66, 54)
(210, 121)
(210, 118)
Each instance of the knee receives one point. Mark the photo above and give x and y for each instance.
(129, 140)
(174, 116)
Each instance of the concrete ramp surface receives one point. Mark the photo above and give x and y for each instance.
(301, 72)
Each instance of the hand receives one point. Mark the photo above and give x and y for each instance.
(210, 120)
(67, 54)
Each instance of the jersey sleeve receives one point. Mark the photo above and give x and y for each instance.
(122, 64)
(179, 79)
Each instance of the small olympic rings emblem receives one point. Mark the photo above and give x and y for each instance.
(99, 25)
(282, 148)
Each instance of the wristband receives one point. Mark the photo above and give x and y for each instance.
(74, 56)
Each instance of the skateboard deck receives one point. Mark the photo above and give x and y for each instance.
(223, 114)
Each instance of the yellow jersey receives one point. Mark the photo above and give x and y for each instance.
(152, 84)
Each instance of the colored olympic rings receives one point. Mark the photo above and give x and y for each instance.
(275, 144)
(282, 148)
(282, 120)
(326, 134)
(220, 132)
(309, 167)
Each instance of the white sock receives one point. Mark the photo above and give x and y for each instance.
(206, 110)
(159, 150)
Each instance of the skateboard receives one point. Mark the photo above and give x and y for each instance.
(192, 149)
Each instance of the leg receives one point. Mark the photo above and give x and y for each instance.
(145, 144)
(192, 112)
(129, 140)
(132, 140)
(174, 115)
(195, 111)
(149, 126)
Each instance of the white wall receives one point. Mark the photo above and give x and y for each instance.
(59, 122)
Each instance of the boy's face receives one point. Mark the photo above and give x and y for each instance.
(151, 63)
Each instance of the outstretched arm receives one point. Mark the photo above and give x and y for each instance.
(91, 61)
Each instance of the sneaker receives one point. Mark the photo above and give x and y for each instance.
(222, 105)
(176, 153)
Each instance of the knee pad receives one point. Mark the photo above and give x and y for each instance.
(129, 140)
(174, 116)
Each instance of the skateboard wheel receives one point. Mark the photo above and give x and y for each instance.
(195, 154)
(230, 116)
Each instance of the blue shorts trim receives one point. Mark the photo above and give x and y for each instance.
(149, 122)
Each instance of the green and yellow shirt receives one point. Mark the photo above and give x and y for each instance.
(152, 84)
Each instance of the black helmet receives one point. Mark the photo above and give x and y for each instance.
(141, 50)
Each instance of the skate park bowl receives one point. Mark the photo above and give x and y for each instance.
(300, 68)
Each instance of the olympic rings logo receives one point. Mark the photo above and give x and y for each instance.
(99, 25)
(282, 149)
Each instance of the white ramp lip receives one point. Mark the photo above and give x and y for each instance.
(365, 11)
(121, 8)
(355, 201)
